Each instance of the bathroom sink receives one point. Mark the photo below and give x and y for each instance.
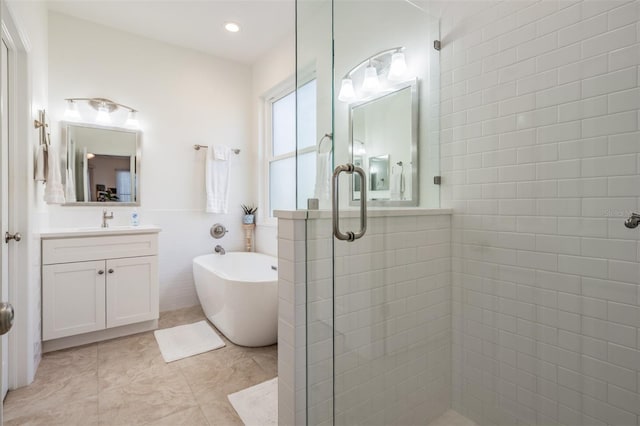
(94, 231)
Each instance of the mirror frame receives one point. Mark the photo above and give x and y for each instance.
(415, 116)
(64, 128)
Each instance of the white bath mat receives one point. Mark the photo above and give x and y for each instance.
(257, 405)
(187, 340)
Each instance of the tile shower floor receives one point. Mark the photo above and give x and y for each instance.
(452, 418)
(125, 381)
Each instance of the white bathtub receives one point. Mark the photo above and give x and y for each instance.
(239, 294)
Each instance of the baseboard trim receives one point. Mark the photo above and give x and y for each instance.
(98, 336)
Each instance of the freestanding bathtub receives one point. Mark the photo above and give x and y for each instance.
(239, 294)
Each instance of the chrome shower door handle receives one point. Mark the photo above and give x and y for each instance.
(363, 203)
(349, 235)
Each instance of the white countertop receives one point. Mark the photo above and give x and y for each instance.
(97, 231)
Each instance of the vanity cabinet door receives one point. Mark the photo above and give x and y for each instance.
(73, 296)
(132, 290)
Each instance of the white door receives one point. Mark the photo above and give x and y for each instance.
(132, 290)
(4, 202)
(6, 243)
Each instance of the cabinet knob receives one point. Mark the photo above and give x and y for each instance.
(100, 272)
(111, 271)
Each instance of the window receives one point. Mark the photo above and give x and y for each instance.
(281, 150)
(123, 185)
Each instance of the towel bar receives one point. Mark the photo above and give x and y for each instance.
(199, 147)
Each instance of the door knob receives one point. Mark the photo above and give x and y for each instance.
(6, 317)
(111, 271)
(100, 272)
(8, 237)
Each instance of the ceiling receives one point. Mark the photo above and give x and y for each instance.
(193, 24)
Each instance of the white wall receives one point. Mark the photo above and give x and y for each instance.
(275, 67)
(30, 19)
(184, 98)
(540, 159)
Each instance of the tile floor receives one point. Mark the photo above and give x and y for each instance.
(125, 381)
(452, 418)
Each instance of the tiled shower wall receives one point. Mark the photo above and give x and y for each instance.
(392, 320)
(540, 142)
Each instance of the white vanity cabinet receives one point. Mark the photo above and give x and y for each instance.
(97, 283)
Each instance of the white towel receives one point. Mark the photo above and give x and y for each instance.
(85, 174)
(41, 163)
(218, 178)
(54, 191)
(323, 176)
(70, 187)
(221, 152)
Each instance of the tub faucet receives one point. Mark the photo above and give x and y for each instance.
(219, 249)
(105, 217)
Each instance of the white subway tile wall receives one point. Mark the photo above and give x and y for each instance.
(291, 322)
(392, 321)
(540, 161)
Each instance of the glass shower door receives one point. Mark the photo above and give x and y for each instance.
(377, 265)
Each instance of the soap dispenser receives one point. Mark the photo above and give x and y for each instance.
(135, 218)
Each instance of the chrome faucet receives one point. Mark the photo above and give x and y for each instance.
(106, 216)
(219, 249)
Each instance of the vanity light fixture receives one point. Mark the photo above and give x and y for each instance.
(232, 27)
(389, 64)
(104, 107)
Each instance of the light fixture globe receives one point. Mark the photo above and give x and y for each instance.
(71, 113)
(132, 120)
(103, 115)
(398, 67)
(371, 82)
(347, 93)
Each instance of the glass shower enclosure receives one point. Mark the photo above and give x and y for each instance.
(378, 307)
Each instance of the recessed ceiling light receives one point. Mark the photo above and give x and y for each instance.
(232, 27)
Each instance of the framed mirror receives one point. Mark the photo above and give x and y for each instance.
(379, 173)
(384, 143)
(100, 164)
